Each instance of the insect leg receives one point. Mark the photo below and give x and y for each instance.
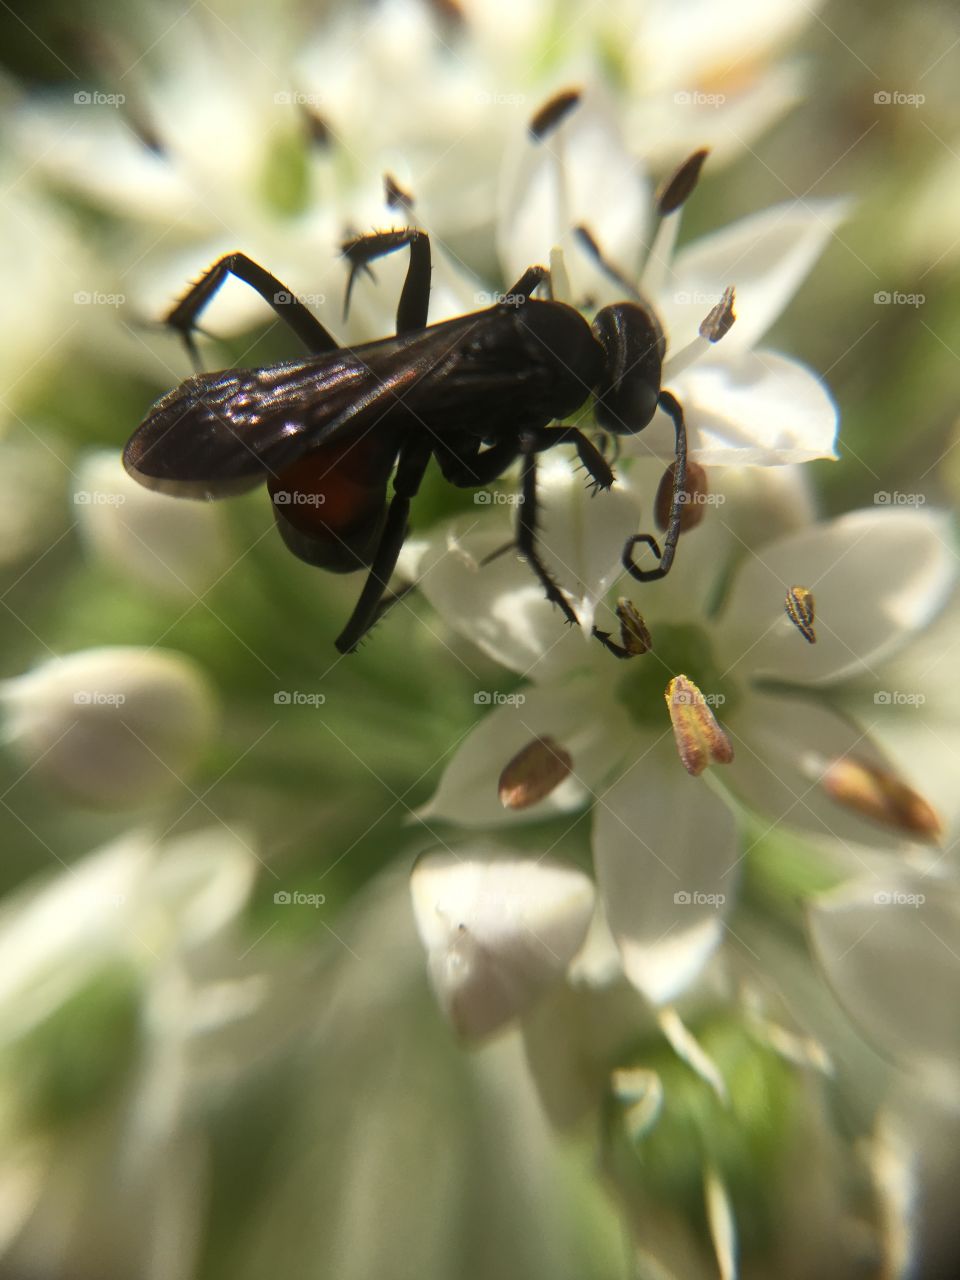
(414, 457)
(527, 530)
(591, 457)
(415, 295)
(307, 327)
(531, 278)
(469, 471)
(672, 407)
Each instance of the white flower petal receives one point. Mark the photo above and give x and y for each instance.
(889, 946)
(501, 607)
(765, 256)
(751, 408)
(665, 851)
(160, 543)
(468, 793)
(580, 173)
(499, 931)
(114, 726)
(782, 746)
(877, 578)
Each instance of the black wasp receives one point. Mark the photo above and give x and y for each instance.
(476, 393)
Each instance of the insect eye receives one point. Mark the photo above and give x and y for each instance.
(634, 346)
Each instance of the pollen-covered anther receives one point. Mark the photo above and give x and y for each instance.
(696, 492)
(634, 633)
(534, 772)
(700, 740)
(801, 611)
(880, 795)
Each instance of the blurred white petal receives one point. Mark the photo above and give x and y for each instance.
(499, 931)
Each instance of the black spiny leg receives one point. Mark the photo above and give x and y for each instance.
(184, 315)
(527, 529)
(672, 407)
(415, 295)
(593, 461)
(412, 463)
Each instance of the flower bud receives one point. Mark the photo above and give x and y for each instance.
(112, 726)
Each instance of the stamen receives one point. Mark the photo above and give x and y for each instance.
(699, 738)
(394, 195)
(659, 254)
(801, 611)
(676, 190)
(696, 490)
(634, 634)
(553, 112)
(534, 772)
(878, 794)
(717, 322)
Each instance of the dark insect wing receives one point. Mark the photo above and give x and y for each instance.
(222, 433)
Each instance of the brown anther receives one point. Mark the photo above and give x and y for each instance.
(553, 113)
(695, 492)
(534, 772)
(699, 738)
(675, 191)
(878, 794)
(801, 610)
(720, 318)
(634, 634)
(318, 130)
(394, 195)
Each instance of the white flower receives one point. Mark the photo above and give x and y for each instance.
(115, 726)
(743, 403)
(118, 976)
(158, 542)
(665, 845)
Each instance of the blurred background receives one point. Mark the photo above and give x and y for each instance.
(218, 1051)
